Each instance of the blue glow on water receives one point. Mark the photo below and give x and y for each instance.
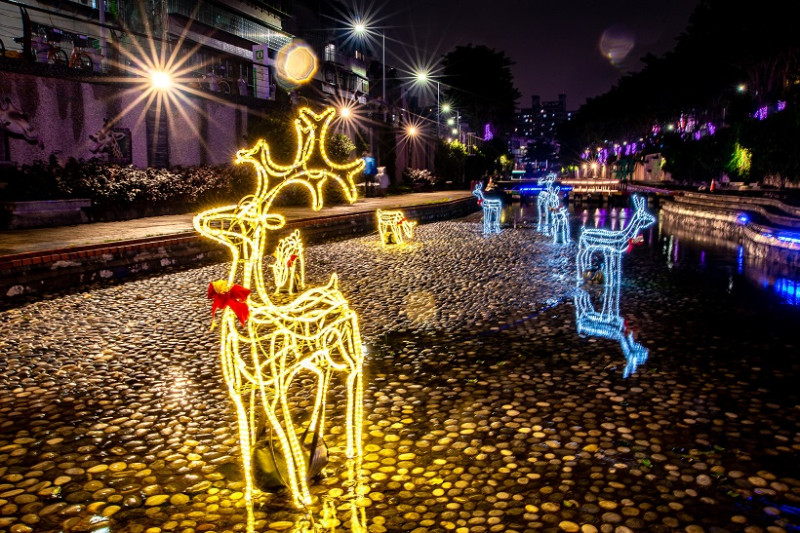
(740, 259)
(788, 290)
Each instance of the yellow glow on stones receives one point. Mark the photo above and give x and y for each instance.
(315, 336)
(296, 63)
(289, 269)
(394, 227)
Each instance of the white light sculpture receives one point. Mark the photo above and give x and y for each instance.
(543, 204)
(394, 227)
(491, 210)
(610, 245)
(289, 269)
(316, 335)
(609, 326)
(559, 219)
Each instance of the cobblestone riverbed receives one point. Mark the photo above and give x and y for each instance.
(485, 411)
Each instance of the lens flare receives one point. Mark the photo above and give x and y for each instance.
(296, 64)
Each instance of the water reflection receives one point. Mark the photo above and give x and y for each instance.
(682, 247)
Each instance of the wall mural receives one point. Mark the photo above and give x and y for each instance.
(115, 142)
(16, 123)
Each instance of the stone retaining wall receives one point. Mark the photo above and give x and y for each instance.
(35, 273)
(759, 241)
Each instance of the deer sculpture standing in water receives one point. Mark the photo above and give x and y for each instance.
(610, 245)
(491, 210)
(558, 219)
(315, 335)
(543, 204)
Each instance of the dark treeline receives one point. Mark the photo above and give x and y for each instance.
(733, 59)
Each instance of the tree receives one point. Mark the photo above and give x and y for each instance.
(481, 84)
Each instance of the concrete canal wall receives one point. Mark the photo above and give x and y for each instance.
(719, 217)
(35, 273)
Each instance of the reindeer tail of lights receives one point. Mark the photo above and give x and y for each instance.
(394, 227)
(491, 210)
(280, 364)
(599, 259)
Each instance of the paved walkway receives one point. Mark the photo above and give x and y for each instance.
(31, 240)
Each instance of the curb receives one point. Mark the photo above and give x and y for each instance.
(29, 274)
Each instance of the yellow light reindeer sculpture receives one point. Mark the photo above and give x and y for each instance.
(289, 269)
(315, 334)
(394, 227)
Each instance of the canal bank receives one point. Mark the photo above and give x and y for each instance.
(767, 229)
(49, 259)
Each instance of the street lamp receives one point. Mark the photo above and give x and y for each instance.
(424, 78)
(361, 29)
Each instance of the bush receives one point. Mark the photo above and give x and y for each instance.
(117, 188)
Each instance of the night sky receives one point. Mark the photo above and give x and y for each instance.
(555, 44)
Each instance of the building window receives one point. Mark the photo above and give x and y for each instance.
(330, 52)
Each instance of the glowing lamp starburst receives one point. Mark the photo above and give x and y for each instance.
(161, 80)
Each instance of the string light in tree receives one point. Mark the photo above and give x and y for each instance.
(315, 336)
(394, 227)
(491, 210)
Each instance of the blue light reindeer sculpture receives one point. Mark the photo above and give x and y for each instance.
(543, 205)
(559, 219)
(491, 210)
(610, 245)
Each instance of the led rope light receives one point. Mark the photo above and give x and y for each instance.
(491, 210)
(316, 333)
(289, 269)
(394, 227)
(611, 245)
(543, 204)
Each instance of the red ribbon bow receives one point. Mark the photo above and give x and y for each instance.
(234, 297)
(401, 221)
(480, 201)
(634, 241)
(290, 261)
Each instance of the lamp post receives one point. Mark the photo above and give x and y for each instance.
(361, 29)
(424, 78)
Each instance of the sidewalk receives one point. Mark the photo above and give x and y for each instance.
(66, 237)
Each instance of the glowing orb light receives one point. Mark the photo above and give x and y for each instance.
(289, 269)
(394, 227)
(283, 349)
(295, 64)
(491, 210)
(161, 80)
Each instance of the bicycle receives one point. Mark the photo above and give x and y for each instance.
(80, 59)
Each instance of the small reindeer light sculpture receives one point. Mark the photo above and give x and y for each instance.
(559, 219)
(316, 335)
(289, 269)
(544, 203)
(394, 227)
(491, 210)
